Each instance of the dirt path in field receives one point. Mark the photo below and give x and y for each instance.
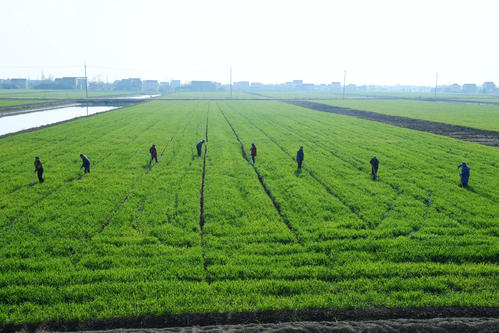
(429, 319)
(489, 138)
(453, 325)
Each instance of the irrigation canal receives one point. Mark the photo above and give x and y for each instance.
(29, 117)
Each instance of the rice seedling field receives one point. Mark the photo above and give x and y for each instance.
(470, 115)
(216, 234)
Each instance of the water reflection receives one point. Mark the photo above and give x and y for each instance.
(19, 122)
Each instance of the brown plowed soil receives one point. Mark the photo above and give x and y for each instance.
(484, 137)
(394, 325)
(424, 319)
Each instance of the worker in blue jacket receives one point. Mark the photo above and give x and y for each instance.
(199, 146)
(85, 164)
(465, 174)
(300, 156)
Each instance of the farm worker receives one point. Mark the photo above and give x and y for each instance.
(374, 166)
(465, 174)
(39, 169)
(253, 152)
(154, 154)
(86, 163)
(199, 146)
(300, 156)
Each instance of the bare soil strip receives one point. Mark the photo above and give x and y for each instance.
(489, 138)
(432, 319)
(379, 326)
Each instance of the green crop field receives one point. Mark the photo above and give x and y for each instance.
(129, 240)
(301, 95)
(470, 115)
(36, 93)
(209, 95)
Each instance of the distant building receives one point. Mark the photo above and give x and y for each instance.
(81, 83)
(164, 87)
(174, 84)
(66, 82)
(241, 85)
(202, 86)
(256, 85)
(470, 88)
(335, 87)
(454, 88)
(488, 87)
(19, 83)
(131, 84)
(150, 85)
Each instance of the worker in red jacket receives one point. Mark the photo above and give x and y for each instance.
(253, 152)
(154, 154)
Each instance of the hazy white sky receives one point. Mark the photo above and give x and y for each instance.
(377, 42)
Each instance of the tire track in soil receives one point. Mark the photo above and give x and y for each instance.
(318, 180)
(484, 137)
(201, 199)
(260, 178)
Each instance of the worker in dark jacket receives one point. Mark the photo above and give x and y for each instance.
(154, 154)
(465, 174)
(300, 156)
(199, 146)
(374, 167)
(39, 169)
(85, 164)
(253, 152)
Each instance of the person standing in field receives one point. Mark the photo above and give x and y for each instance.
(154, 154)
(465, 174)
(253, 152)
(85, 164)
(374, 167)
(39, 169)
(199, 146)
(300, 156)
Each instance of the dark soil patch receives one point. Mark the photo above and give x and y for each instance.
(379, 326)
(429, 319)
(484, 137)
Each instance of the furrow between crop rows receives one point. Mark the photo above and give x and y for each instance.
(201, 196)
(319, 181)
(125, 199)
(260, 178)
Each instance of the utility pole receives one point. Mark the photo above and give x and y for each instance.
(344, 80)
(436, 84)
(86, 82)
(231, 82)
(86, 87)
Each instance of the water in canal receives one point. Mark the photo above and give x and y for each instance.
(19, 122)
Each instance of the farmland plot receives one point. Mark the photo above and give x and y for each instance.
(470, 115)
(216, 234)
